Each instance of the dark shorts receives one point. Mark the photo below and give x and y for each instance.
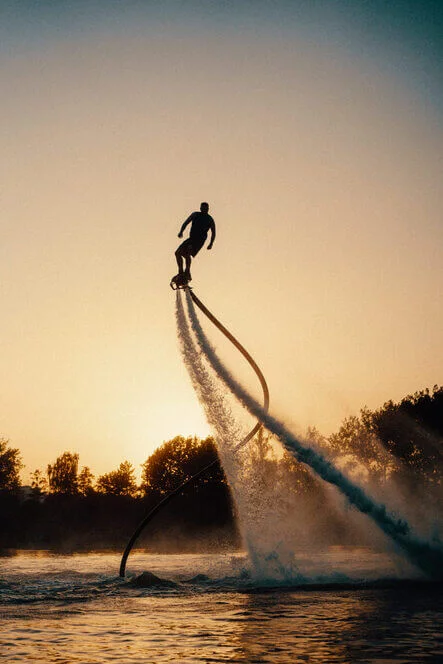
(191, 246)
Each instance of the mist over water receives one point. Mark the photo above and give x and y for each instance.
(425, 555)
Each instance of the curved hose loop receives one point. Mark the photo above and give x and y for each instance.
(245, 354)
(151, 514)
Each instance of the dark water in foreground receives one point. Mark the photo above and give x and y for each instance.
(76, 609)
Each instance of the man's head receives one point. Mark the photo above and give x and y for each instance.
(204, 207)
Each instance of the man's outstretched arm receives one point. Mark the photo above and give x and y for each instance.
(212, 229)
(184, 224)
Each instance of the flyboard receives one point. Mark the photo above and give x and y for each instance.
(181, 280)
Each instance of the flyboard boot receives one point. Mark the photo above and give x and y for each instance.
(180, 280)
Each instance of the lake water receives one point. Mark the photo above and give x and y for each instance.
(75, 608)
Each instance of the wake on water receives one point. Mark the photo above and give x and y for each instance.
(259, 526)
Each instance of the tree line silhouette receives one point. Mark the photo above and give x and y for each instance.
(67, 508)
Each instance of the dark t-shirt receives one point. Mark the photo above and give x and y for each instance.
(201, 223)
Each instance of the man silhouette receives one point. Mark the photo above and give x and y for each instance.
(201, 222)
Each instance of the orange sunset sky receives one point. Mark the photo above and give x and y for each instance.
(315, 131)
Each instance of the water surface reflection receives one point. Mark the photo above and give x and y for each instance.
(374, 625)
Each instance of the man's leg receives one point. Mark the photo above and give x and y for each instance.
(188, 266)
(179, 259)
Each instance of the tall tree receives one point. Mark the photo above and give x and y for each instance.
(85, 482)
(120, 482)
(357, 448)
(10, 466)
(62, 475)
(176, 461)
(39, 483)
(412, 432)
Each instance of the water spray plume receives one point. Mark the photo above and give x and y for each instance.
(217, 413)
(427, 556)
(230, 441)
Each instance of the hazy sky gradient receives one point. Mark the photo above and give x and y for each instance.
(315, 132)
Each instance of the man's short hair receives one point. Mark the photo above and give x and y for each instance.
(204, 205)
